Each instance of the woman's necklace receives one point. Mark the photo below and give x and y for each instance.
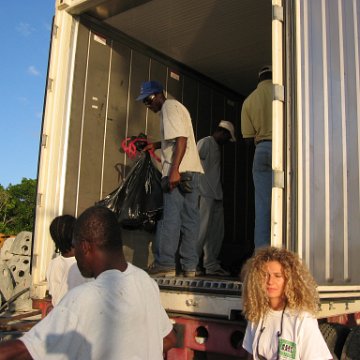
(278, 334)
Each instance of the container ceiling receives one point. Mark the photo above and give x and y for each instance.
(226, 40)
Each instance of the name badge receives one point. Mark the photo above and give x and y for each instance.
(287, 349)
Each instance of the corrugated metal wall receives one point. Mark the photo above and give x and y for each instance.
(107, 78)
(328, 134)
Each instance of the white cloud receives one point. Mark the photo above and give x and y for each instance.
(32, 70)
(24, 29)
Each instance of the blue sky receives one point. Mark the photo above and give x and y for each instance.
(25, 39)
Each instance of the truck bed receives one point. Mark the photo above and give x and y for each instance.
(201, 296)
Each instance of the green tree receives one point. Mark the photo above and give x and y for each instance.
(7, 204)
(17, 207)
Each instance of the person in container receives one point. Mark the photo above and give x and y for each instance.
(280, 302)
(211, 233)
(180, 167)
(256, 128)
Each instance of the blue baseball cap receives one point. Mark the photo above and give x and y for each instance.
(148, 88)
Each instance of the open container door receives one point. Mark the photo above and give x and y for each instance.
(326, 148)
(278, 190)
(53, 147)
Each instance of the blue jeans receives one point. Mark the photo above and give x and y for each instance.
(180, 215)
(211, 232)
(262, 175)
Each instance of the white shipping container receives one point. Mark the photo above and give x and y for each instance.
(207, 54)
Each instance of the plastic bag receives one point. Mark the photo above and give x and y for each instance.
(138, 202)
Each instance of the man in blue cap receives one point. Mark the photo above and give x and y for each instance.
(181, 167)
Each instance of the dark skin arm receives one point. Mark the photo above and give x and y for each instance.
(14, 350)
(180, 148)
(169, 341)
(152, 146)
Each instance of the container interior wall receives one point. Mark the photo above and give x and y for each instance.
(328, 135)
(104, 112)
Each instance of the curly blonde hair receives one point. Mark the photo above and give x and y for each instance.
(300, 287)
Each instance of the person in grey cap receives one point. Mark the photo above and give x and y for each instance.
(211, 194)
(256, 126)
(180, 170)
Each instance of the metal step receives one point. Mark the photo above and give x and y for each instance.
(200, 285)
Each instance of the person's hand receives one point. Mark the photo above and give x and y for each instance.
(174, 178)
(149, 147)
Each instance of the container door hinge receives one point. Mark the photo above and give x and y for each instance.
(44, 140)
(278, 179)
(63, 4)
(50, 84)
(278, 13)
(55, 30)
(278, 92)
(39, 198)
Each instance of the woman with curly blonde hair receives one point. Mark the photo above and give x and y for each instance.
(280, 301)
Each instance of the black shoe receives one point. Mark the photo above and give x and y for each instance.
(156, 270)
(218, 272)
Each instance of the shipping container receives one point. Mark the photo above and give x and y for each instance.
(207, 53)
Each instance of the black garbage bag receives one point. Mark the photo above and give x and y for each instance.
(138, 202)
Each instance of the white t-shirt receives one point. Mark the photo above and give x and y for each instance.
(210, 157)
(62, 275)
(118, 316)
(175, 121)
(300, 338)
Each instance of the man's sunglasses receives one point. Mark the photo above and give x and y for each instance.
(148, 100)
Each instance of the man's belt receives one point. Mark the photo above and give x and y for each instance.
(260, 141)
